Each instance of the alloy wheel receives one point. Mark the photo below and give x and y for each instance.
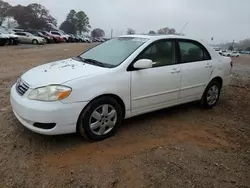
(212, 95)
(103, 119)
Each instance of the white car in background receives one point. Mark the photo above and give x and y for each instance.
(234, 54)
(11, 37)
(93, 92)
(28, 38)
(227, 53)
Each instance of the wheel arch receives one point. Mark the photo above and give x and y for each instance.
(218, 79)
(116, 97)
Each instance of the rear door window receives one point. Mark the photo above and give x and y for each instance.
(191, 51)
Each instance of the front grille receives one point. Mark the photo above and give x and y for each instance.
(21, 87)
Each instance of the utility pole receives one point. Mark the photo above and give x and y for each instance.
(111, 34)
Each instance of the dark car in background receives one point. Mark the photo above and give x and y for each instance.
(78, 38)
(48, 39)
(3, 40)
(56, 38)
(96, 40)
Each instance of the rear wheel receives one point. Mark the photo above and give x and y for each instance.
(211, 95)
(2, 42)
(100, 119)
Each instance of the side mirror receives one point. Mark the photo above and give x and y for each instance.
(143, 64)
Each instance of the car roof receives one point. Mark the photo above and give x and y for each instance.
(23, 32)
(158, 36)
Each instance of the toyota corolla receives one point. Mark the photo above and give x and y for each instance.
(118, 79)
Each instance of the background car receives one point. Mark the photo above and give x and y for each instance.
(96, 40)
(28, 38)
(227, 53)
(3, 40)
(48, 39)
(10, 37)
(56, 38)
(234, 54)
(78, 38)
(86, 39)
(18, 30)
(74, 39)
(154, 72)
(66, 37)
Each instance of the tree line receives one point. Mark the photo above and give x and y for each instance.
(162, 31)
(36, 16)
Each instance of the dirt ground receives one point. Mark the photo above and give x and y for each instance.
(184, 146)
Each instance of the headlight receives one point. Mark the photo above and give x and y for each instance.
(50, 93)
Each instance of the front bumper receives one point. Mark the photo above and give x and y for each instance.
(29, 112)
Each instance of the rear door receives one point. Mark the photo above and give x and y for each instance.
(196, 68)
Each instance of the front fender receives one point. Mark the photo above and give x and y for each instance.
(87, 88)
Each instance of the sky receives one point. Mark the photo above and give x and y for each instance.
(224, 20)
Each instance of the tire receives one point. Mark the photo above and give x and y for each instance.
(34, 41)
(15, 42)
(210, 103)
(100, 123)
(2, 42)
(10, 41)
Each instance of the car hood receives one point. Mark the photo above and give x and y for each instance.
(59, 72)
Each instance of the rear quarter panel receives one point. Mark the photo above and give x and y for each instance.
(221, 66)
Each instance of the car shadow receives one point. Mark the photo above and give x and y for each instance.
(128, 125)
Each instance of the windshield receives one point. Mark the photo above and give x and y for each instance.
(114, 51)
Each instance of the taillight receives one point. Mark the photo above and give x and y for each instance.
(231, 64)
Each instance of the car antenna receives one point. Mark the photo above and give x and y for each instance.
(183, 28)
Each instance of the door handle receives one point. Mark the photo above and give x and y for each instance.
(209, 66)
(175, 71)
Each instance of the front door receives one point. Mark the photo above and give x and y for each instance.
(156, 87)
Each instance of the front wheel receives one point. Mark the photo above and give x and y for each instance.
(34, 41)
(211, 95)
(100, 119)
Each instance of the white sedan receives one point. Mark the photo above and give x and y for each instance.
(123, 77)
(234, 54)
(28, 38)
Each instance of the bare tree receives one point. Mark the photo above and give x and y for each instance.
(4, 8)
(130, 31)
(166, 30)
(97, 33)
(33, 16)
(151, 32)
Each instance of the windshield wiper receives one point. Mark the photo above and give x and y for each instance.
(94, 62)
(91, 61)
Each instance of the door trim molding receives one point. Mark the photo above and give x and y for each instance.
(156, 94)
(193, 86)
